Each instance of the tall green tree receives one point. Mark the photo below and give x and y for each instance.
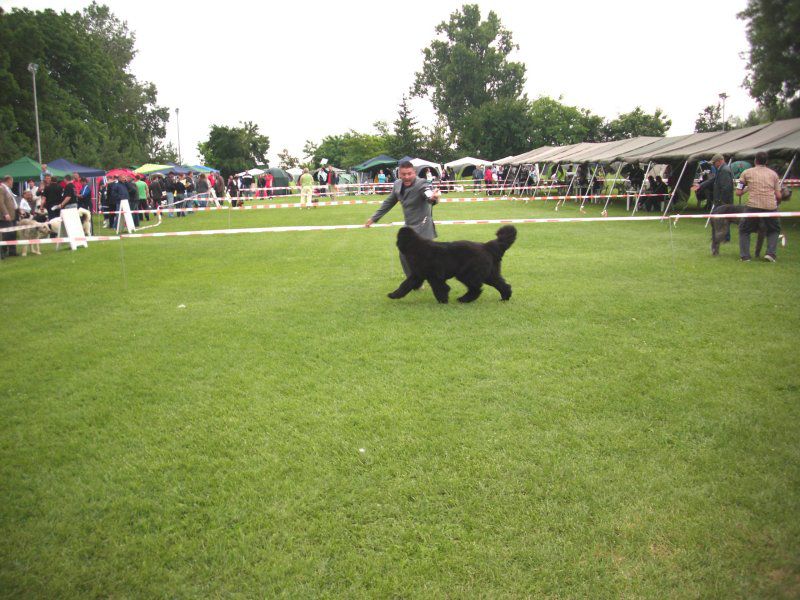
(286, 160)
(709, 120)
(638, 123)
(234, 149)
(406, 138)
(351, 148)
(773, 77)
(498, 128)
(91, 108)
(556, 124)
(438, 143)
(468, 66)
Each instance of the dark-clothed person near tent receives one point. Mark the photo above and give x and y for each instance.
(417, 199)
(53, 193)
(117, 192)
(721, 183)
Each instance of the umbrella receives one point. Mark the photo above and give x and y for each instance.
(118, 172)
(203, 169)
(738, 167)
(151, 168)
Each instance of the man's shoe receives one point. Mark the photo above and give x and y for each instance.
(745, 259)
(769, 257)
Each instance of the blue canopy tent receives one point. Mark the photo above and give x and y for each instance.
(62, 164)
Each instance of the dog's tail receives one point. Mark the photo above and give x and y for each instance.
(505, 237)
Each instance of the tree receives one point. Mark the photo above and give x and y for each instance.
(406, 140)
(350, 149)
(556, 124)
(774, 59)
(286, 160)
(234, 149)
(709, 120)
(309, 151)
(438, 144)
(498, 128)
(91, 108)
(469, 66)
(637, 123)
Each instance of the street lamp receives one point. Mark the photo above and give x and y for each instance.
(178, 121)
(723, 96)
(33, 67)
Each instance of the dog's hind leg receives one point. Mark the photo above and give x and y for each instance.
(472, 293)
(406, 286)
(440, 289)
(500, 284)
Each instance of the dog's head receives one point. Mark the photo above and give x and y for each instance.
(786, 193)
(406, 239)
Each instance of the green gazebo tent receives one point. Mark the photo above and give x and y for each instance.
(26, 168)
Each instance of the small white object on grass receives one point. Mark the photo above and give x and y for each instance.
(181, 306)
(362, 450)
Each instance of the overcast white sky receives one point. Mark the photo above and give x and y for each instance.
(306, 69)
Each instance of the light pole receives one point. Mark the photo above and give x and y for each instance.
(723, 96)
(33, 67)
(178, 121)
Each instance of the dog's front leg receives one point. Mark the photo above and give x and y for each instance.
(440, 289)
(409, 284)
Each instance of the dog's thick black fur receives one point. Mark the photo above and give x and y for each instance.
(472, 263)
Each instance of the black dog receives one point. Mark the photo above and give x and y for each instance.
(473, 264)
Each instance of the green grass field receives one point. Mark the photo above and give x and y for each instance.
(628, 425)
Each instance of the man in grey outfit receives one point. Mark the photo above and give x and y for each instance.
(416, 198)
(722, 182)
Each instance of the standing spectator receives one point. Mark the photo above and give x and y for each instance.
(233, 191)
(322, 179)
(169, 192)
(157, 190)
(445, 180)
(144, 198)
(85, 195)
(764, 187)
(488, 180)
(269, 179)
(53, 193)
(70, 196)
(219, 186)
(722, 183)
(179, 193)
(477, 178)
(133, 198)
(118, 193)
(247, 182)
(306, 189)
(187, 200)
(381, 177)
(428, 176)
(333, 181)
(8, 215)
(203, 189)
